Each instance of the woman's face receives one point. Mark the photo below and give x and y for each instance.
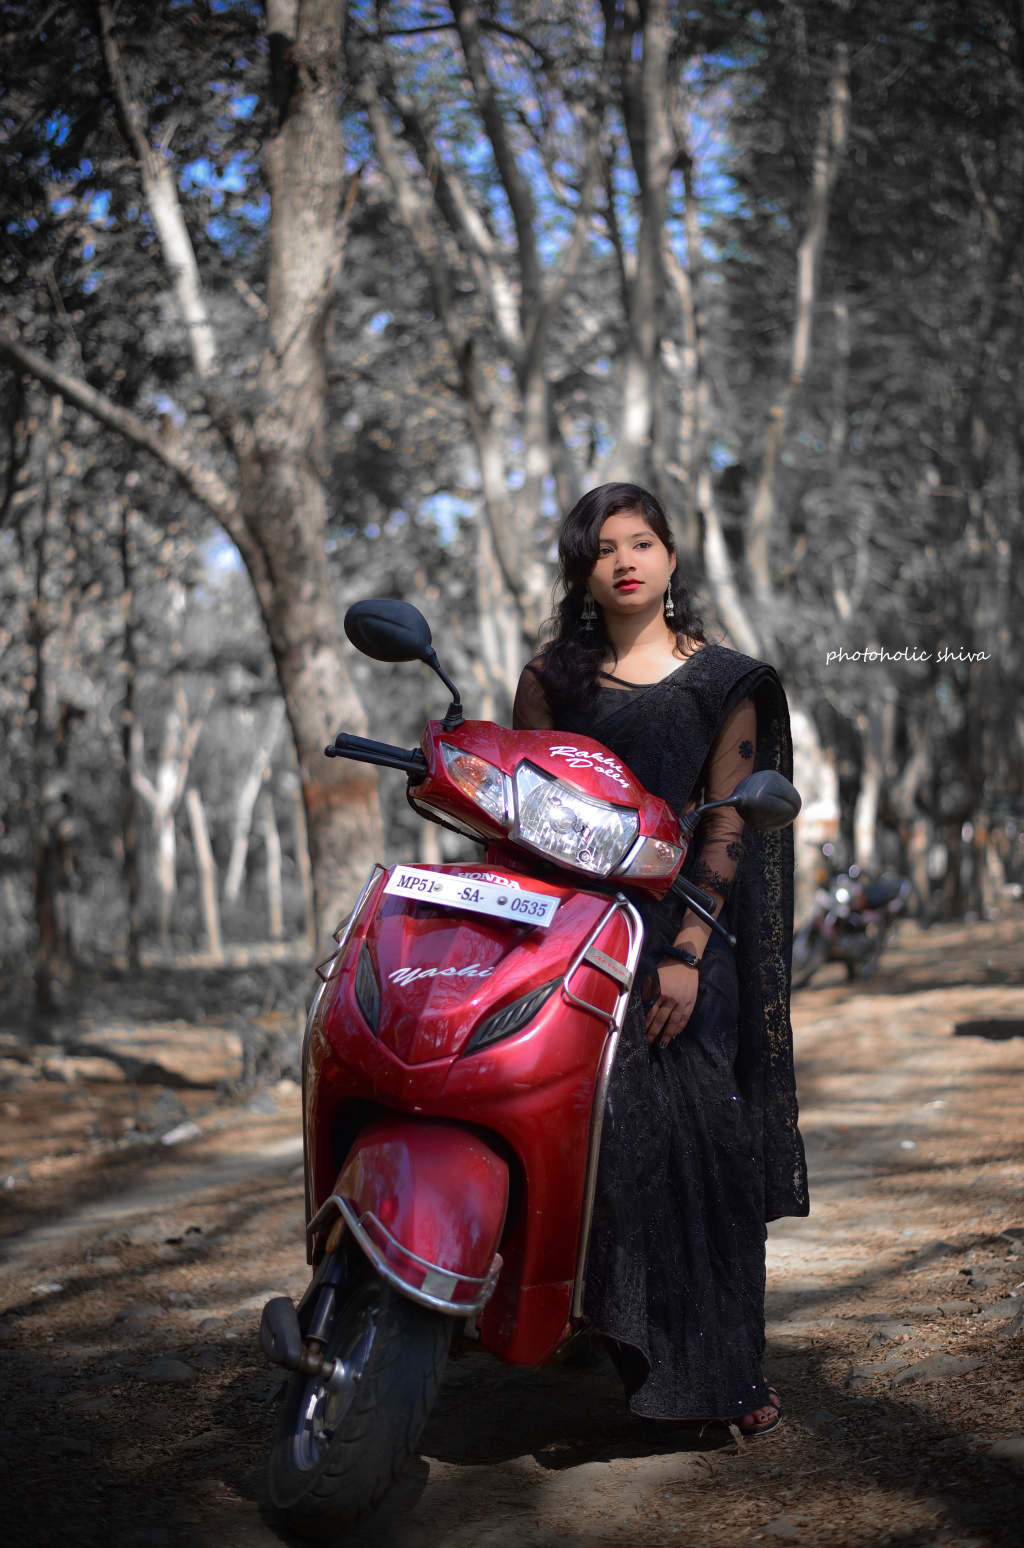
(633, 565)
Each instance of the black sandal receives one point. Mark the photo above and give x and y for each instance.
(762, 1426)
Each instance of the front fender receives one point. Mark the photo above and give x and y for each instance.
(426, 1202)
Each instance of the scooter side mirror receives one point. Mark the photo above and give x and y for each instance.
(389, 631)
(386, 630)
(766, 801)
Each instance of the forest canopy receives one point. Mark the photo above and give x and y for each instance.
(305, 301)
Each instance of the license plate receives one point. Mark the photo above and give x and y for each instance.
(480, 897)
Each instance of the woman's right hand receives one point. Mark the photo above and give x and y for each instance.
(672, 1009)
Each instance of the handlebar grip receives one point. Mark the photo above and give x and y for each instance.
(692, 894)
(360, 749)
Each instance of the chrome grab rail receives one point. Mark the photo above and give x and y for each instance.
(604, 963)
(341, 935)
(621, 972)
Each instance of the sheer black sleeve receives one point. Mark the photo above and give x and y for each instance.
(531, 710)
(720, 836)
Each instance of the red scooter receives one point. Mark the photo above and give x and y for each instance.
(456, 1062)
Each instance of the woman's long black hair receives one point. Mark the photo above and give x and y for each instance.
(571, 659)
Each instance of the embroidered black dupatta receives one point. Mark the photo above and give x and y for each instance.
(700, 1145)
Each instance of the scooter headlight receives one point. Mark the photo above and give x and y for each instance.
(481, 781)
(569, 827)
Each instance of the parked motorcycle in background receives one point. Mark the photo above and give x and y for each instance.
(850, 921)
(454, 1070)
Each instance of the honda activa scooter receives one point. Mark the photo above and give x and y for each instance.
(455, 1067)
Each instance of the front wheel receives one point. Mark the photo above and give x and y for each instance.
(810, 950)
(337, 1454)
(865, 966)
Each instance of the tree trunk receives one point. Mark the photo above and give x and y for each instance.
(695, 425)
(687, 367)
(902, 796)
(430, 844)
(272, 855)
(646, 110)
(129, 831)
(53, 947)
(207, 869)
(721, 577)
(38, 633)
(694, 434)
(163, 794)
(499, 626)
(302, 861)
(64, 853)
(245, 803)
(280, 453)
(877, 729)
(814, 775)
(917, 844)
(865, 816)
(834, 126)
(166, 871)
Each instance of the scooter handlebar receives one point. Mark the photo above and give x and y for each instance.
(362, 750)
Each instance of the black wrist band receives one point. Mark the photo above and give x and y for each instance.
(680, 954)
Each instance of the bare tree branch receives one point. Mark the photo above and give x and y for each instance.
(415, 213)
(202, 481)
(469, 228)
(516, 188)
(164, 207)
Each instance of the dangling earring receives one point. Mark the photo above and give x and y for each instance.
(589, 611)
(670, 607)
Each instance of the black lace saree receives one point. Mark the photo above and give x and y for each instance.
(700, 1143)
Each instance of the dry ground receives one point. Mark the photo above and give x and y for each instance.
(117, 1253)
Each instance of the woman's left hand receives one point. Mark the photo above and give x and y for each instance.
(671, 1010)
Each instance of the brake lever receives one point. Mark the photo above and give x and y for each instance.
(697, 901)
(692, 894)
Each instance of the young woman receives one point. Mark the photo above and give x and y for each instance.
(700, 1143)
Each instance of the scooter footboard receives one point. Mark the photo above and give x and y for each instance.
(425, 1201)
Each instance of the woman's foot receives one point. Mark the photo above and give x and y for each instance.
(761, 1420)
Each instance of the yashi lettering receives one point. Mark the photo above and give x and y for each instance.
(410, 975)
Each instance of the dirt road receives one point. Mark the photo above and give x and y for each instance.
(892, 1318)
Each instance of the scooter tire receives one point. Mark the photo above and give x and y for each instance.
(810, 952)
(324, 1486)
(867, 965)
